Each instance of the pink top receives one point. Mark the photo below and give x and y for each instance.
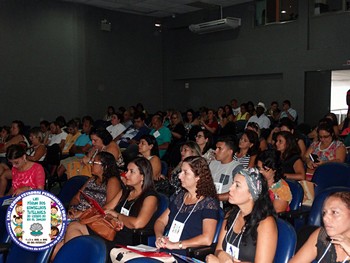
(33, 177)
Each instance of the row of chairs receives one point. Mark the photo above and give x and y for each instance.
(287, 237)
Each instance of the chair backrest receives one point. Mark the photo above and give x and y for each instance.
(163, 204)
(219, 225)
(331, 174)
(87, 249)
(70, 188)
(287, 240)
(164, 170)
(297, 195)
(4, 236)
(17, 254)
(315, 216)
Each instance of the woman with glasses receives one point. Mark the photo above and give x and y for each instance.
(103, 186)
(204, 139)
(135, 207)
(26, 175)
(326, 149)
(268, 163)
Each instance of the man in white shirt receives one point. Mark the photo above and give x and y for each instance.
(223, 168)
(260, 118)
(288, 112)
(116, 128)
(58, 136)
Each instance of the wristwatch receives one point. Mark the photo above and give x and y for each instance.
(180, 244)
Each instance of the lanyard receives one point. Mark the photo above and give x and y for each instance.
(325, 252)
(240, 234)
(189, 214)
(129, 206)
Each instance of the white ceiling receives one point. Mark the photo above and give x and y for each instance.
(158, 8)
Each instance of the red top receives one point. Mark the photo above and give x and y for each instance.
(34, 177)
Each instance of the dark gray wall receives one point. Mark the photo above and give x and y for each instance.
(55, 60)
(252, 63)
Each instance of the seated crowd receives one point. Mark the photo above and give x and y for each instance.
(239, 158)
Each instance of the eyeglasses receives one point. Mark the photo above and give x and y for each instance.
(99, 163)
(263, 169)
(324, 137)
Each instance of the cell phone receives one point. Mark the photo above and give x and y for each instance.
(314, 157)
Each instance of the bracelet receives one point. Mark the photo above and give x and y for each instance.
(180, 244)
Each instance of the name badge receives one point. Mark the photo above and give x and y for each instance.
(156, 134)
(218, 187)
(232, 250)
(124, 211)
(176, 231)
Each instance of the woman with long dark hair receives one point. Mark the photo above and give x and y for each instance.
(135, 206)
(148, 148)
(269, 165)
(292, 165)
(249, 231)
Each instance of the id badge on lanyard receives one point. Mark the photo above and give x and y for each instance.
(176, 231)
(232, 250)
(124, 211)
(218, 187)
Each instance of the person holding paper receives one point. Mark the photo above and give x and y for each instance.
(190, 220)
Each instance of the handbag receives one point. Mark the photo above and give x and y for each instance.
(102, 224)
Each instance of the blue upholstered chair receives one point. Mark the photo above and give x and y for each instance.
(331, 174)
(17, 254)
(70, 188)
(87, 249)
(297, 195)
(287, 240)
(315, 216)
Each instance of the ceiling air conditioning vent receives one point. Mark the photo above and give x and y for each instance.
(216, 25)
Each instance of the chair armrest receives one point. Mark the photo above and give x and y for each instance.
(200, 252)
(140, 236)
(4, 248)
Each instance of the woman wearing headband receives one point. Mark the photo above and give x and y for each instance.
(249, 231)
(331, 243)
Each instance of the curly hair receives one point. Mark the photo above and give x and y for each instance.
(262, 209)
(205, 184)
(271, 159)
